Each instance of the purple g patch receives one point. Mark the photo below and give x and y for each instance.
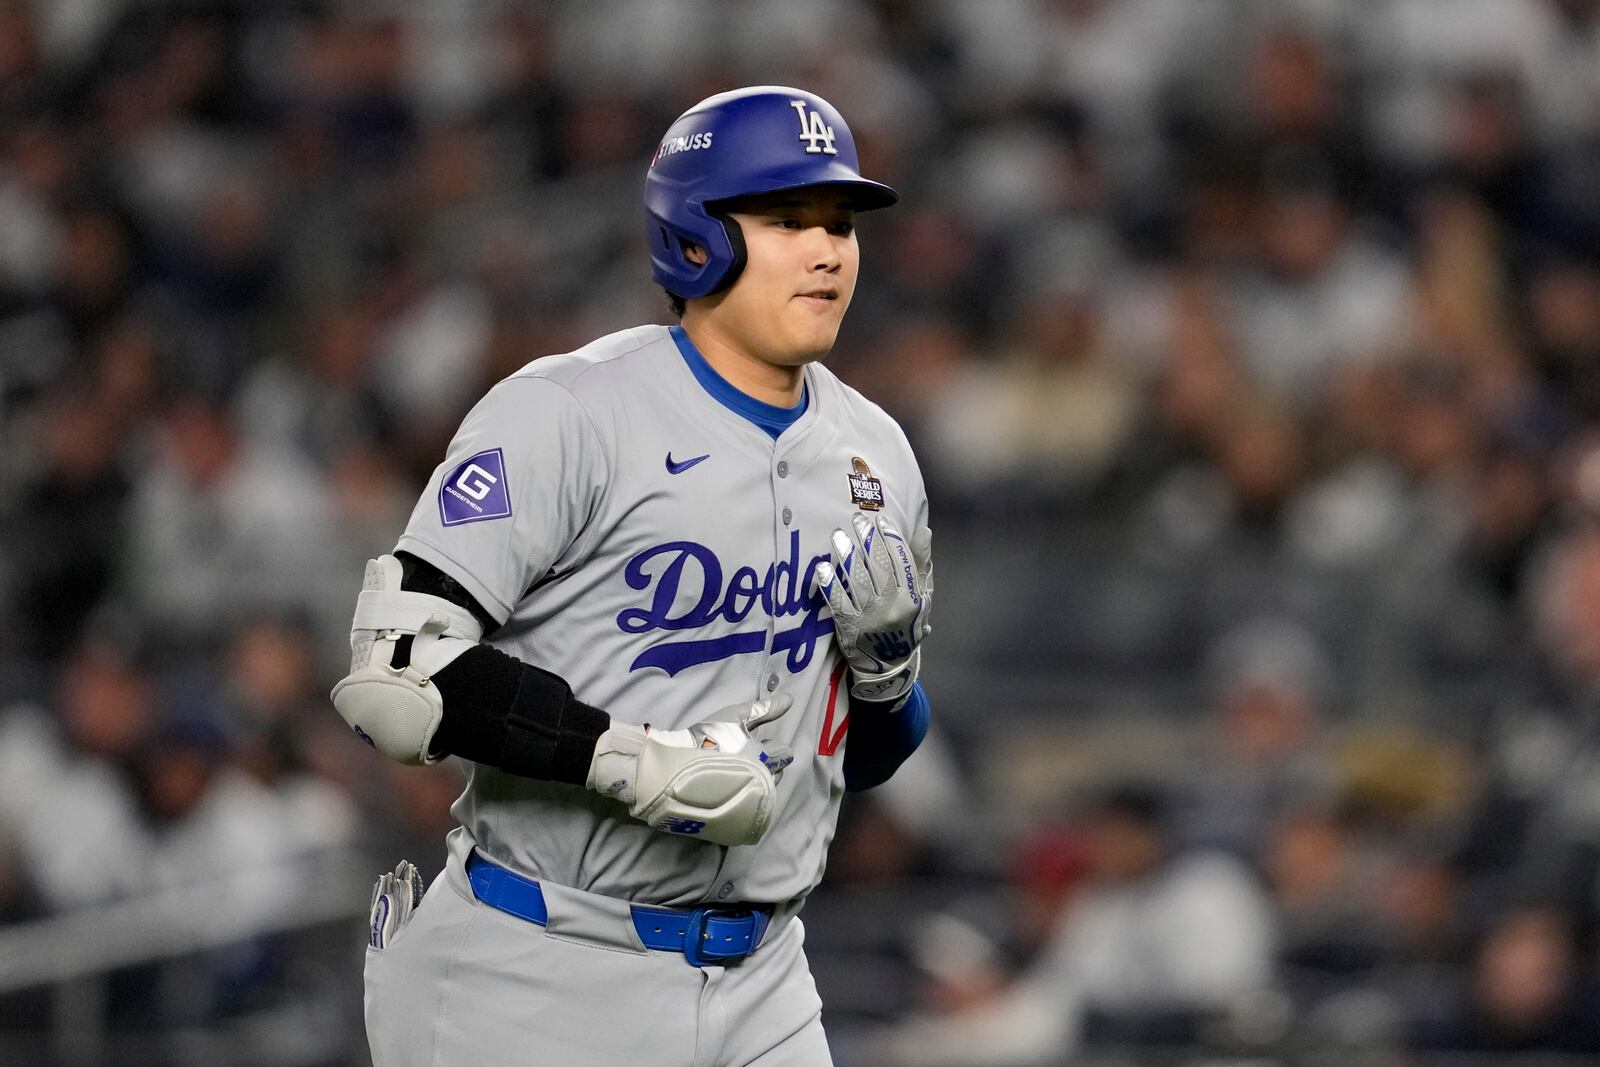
(476, 490)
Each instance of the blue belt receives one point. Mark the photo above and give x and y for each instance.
(707, 936)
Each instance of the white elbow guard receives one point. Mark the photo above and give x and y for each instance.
(396, 709)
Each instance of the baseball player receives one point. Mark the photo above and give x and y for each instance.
(665, 596)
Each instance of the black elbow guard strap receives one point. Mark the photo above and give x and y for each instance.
(508, 714)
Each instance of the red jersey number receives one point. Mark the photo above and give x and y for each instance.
(832, 736)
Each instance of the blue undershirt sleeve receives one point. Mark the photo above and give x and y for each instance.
(879, 741)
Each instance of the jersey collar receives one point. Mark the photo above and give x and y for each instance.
(770, 418)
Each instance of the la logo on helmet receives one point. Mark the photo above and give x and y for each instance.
(817, 134)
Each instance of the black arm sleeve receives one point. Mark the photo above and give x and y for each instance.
(417, 575)
(508, 714)
(499, 710)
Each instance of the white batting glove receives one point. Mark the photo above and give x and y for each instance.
(881, 592)
(713, 780)
(394, 898)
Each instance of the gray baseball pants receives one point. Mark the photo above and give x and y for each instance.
(463, 983)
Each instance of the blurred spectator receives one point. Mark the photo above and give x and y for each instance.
(1418, 50)
(971, 1009)
(1155, 943)
(1319, 876)
(64, 562)
(408, 814)
(68, 792)
(971, 1017)
(1045, 420)
(1508, 510)
(1320, 294)
(1049, 868)
(322, 399)
(219, 529)
(27, 1011)
(96, 281)
(1487, 149)
(1419, 903)
(274, 701)
(1564, 318)
(1162, 939)
(528, 103)
(1266, 754)
(1534, 821)
(1526, 992)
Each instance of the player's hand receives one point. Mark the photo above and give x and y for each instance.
(881, 592)
(713, 780)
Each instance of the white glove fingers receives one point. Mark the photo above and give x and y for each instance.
(768, 711)
(843, 549)
(821, 578)
(413, 880)
(899, 560)
(879, 539)
(844, 554)
(378, 889)
(864, 530)
(922, 552)
(887, 528)
(830, 584)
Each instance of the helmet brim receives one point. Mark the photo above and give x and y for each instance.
(865, 195)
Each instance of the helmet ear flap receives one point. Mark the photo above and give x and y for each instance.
(725, 258)
(736, 250)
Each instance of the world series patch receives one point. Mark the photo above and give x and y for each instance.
(476, 490)
(866, 492)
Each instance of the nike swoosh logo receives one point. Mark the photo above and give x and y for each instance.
(679, 468)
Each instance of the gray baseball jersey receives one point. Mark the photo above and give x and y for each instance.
(656, 549)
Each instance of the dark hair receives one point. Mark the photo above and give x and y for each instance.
(676, 303)
(1143, 802)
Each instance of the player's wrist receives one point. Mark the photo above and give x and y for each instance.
(614, 769)
(887, 687)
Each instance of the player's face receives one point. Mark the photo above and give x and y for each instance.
(801, 262)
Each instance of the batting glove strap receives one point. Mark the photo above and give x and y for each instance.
(890, 688)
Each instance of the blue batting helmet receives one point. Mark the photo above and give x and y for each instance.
(741, 143)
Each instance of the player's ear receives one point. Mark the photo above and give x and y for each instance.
(696, 254)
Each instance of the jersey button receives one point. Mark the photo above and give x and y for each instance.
(783, 468)
(788, 516)
(726, 891)
(772, 682)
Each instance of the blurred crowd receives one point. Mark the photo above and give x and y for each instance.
(1251, 349)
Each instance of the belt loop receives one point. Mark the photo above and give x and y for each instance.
(694, 939)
